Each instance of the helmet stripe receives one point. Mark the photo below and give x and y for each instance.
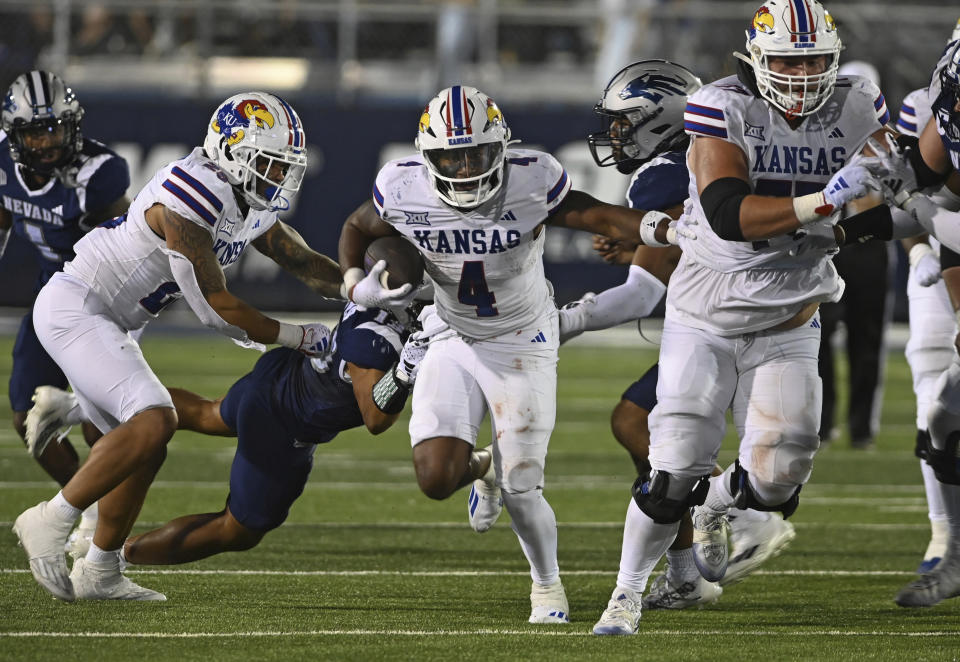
(296, 133)
(455, 104)
(37, 97)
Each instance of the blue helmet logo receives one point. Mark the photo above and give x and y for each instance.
(653, 86)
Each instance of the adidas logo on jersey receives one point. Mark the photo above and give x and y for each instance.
(539, 338)
(509, 216)
(836, 133)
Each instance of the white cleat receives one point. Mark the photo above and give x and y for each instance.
(933, 587)
(574, 316)
(664, 595)
(710, 544)
(548, 604)
(485, 502)
(46, 420)
(78, 544)
(96, 581)
(753, 542)
(622, 615)
(43, 538)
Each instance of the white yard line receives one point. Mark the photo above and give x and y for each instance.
(464, 573)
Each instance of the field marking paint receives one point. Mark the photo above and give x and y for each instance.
(858, 526)
(461, 633)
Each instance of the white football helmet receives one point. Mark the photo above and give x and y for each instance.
(641, 113)
(463, 140)
(39, 101)
(791, 28)
(258, 140)
(956, 31)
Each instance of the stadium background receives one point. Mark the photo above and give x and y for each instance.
(149, 74)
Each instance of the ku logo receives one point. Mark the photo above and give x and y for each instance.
(417, 217)
(752, 131)
(232, 119)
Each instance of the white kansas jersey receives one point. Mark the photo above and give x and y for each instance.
(732, 287)
(486, 263)
(123, 260)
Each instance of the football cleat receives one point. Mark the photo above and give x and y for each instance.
(485, 502)
(664, 595)
(43, 538)
(104, 581)
(710, 544)
(933, 587)
(81, 537)
(753, 542)
(622, 615)
(574, 315)
(46, 418)
(548, 604)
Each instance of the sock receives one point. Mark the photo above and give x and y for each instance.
(62, 509)
(536, 527)
(681, 567)
(644, 543)
(90, 516)
(719, 497)
(951, 504)
(931, 486)
(103, 557)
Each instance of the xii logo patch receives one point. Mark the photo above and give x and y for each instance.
(417, 218)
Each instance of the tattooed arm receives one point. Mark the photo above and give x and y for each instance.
(196, 244)
(284, 245)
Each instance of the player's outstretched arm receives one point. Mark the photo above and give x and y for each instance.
(198, 273)
(114, 209)
(364, 379)
(284, 245)
(581, 211)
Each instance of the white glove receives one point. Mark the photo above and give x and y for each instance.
(312, 339)
(895, 172)
(851, 182)
(369, 292)
(925, 264)
(410, 357)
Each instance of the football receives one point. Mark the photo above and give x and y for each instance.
(404, 261)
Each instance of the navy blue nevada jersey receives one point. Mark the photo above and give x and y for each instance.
(315, 396)
(51, 217)
(660, 183)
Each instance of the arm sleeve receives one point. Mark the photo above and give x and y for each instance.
(184, 274)
(659, 184)
(368, 344)
(108, 183)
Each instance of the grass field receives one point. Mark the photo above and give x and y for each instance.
(366, 567)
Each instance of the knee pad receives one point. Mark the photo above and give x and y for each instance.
(521, 474)
(946, 462)
(665, 498)
(922, 444)
(744, 497)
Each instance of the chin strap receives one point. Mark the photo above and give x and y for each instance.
(4, 236)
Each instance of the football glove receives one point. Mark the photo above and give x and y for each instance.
(851, 182)
(369, 292)
(894, 171)
(410, 357)
(924, 264)
(312, 339)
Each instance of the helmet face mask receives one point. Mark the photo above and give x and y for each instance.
(946, 103)
(41, 115)
(785, 42)
(462, 138)
(259, 142)
(641, 114)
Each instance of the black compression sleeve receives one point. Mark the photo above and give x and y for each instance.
(721, 201)
(926, 176)
(874, 223)
(948, 259)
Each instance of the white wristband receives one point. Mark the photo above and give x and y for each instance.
(352, 276)
(648, 227)
(918, 252)
(290, 335)
(811, 208)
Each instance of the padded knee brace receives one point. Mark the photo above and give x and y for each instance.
(945, 462)
(664, 498)
(744, 496)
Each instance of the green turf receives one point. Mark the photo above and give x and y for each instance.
(385, 572)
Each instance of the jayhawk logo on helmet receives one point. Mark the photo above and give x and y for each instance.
(831, 24)
(763, 20)
(425, 119)
(232, 118)
(493, 113)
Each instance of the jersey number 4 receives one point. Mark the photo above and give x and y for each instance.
(473, 289)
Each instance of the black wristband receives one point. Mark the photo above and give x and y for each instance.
(874, 223)
(390, 394)
(721, 201)
(948, 258)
